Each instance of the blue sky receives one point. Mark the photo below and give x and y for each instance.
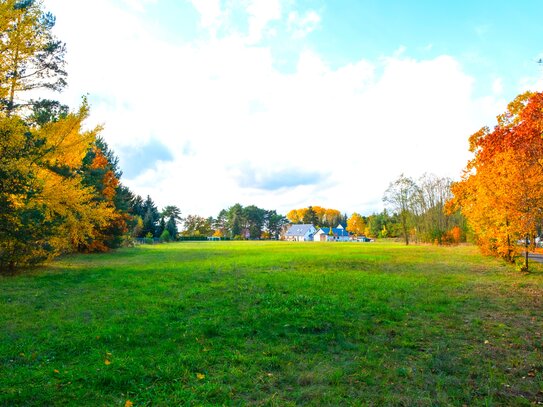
(289, 103)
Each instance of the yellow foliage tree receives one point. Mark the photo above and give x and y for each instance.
(320, 212)
(501, 192)
(293, 217)
(30, 56)
(47, 209)
(65, 197)
(356, 225)
(324, 216)
(332, 217)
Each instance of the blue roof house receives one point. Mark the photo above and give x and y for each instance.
(338, 234)
(300, 233)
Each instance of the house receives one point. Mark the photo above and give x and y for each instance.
(338, 234)
(300, 233)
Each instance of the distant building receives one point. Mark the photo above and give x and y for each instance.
(338, 234)
(300, 233)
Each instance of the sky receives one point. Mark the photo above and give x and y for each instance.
(289, 103)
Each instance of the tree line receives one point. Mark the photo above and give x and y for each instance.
(249, 222)
(317, 216)
(420, 210)
(60, 188)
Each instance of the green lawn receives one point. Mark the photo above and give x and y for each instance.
(273, 324)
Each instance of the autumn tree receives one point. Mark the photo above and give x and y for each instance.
(296, 215)
(430, 220)
(24, 230)
(320, 214)
(315, 215)
(46, 186)
(31, 57)
(101, 172)
(197, 226)
(59, 182)
(64, 191)
(356, 225)
(332, 217)
(501, 191)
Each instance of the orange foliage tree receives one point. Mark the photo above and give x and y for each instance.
(501, 191)
(100, 173)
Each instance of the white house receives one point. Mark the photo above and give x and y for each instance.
(338, 234)
(300, 233)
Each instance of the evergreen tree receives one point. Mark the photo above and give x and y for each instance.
(47, 111)
(274, 223)
(235, 220)
(161, 227)
(172, 211)
(149, 206)
(172, 215)
(171, 227)
(221, 224)
(254, 220)
(136, 206)
(310, 216)
(150, 218)
(24, 230)
(149, 225)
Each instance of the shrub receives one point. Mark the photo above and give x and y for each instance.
(165, 236)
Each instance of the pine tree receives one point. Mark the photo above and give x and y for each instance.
(171, 227)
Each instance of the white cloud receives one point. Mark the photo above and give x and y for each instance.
(261, 13)
(497, 86)
(138, 5)
(302, 25)
(344, 133)
(210, 12)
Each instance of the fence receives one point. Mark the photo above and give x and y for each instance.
(156, 240)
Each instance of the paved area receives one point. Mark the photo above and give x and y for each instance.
(536, 257)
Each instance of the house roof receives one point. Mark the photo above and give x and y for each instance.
(299, 230)
(335, 231)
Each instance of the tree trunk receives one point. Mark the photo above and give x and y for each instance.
(405, 231)
(15, 73)
(526, 254)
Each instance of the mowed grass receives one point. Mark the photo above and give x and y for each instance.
(260, 323)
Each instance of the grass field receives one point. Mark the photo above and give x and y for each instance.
(273, 324)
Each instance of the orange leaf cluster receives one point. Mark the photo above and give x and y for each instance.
(501, 191)
(323, 215)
